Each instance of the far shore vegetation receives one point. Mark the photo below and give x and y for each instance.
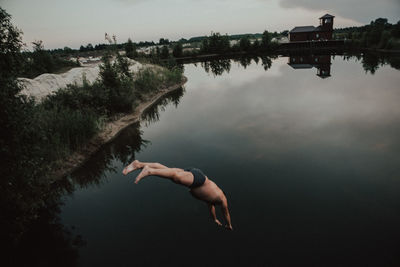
(379, 35)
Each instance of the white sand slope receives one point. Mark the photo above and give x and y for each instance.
(47, 83)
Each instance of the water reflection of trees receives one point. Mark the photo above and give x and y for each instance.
(47, 242)
(124, 147)
(371, 62)
(152, 114)
(219, 66)
(39, 240)
(266, 62)
(42, 240)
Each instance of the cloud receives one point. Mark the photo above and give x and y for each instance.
(359, 10)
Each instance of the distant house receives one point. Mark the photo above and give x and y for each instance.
(311, 33)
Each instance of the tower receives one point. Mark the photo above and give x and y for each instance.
(326, 22)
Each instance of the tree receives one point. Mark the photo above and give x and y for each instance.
(396, 30)
(380, 22)
(158, 52)
(67, 50)
(244, 43)
(215, 43)
(10, 46)
(266, 40)
(89, 47)
(285, 33)
(178, 50)
(163, 41)
(256, 45)
(42, 60)
(18, 165)
(164, 52)
(130, 49)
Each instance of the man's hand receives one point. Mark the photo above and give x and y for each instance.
(218, 222)
(229, 227)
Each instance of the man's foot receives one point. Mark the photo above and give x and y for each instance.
(145, 172)
(131, 167)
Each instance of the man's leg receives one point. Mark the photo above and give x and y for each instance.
(136, 164)
(175, 174)
(153, 165)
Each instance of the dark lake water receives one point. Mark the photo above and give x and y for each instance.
(308, 154)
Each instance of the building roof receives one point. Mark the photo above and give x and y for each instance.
(300, 66)
(303, 29)
(323, 76)
(317, 29)
(326, 16)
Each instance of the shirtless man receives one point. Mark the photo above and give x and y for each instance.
(200, 186)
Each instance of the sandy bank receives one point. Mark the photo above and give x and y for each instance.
(109, 132)
(47, 83)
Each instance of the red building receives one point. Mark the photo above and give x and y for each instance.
(311, 33)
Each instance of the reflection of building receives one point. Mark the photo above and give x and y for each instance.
(311, 33)
(321, 62)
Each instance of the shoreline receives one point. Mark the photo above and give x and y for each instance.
(110, 131)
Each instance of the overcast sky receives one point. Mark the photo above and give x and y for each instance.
(75, 22)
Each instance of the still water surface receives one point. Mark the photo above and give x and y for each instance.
(310, 166)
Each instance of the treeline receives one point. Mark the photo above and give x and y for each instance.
(165, 48)
(221, 44)
(379, 34)
(235, 36)
(213, 44)
(42, 61)
(58, 60)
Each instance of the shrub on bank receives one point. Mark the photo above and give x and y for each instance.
(63, 130)
(172, 76)
(148, 80)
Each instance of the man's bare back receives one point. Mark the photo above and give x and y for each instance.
(200, 186)
(208, 192)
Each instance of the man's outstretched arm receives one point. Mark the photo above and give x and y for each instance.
(211, 207)
(227, 216)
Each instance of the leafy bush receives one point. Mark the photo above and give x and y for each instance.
(147, 80)
(172, 76)
(112, 93)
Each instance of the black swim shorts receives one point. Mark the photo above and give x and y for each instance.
(199, 177)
